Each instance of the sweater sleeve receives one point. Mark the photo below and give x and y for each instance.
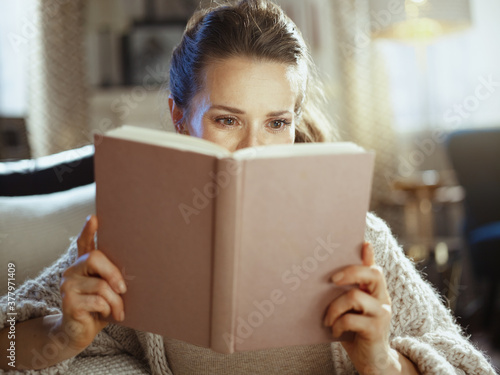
(422, 328)
(41, 297)
(36, 298)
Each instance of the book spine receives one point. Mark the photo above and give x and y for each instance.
(225, 254)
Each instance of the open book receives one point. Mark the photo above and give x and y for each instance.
(230, 251)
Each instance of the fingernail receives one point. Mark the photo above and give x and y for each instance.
(122, 288)
(122, 316)
(337, 277)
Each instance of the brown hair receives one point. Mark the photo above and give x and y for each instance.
(256, 29)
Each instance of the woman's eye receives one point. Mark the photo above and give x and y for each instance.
(227, 121)
(278, 124)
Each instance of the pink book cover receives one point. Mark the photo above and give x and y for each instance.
(228, 253)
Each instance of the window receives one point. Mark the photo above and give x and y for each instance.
(460, 87)
(16, 30)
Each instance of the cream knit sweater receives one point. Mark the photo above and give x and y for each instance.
(422, 329)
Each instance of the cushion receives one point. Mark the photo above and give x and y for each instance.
(35, 230)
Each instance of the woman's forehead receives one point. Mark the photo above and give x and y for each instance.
(244, 81)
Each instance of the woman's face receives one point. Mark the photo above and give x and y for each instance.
(243, 103)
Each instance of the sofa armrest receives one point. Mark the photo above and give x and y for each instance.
(48, 174)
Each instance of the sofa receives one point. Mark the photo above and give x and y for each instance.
(43, 203)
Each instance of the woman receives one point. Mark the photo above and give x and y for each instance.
(242, 77)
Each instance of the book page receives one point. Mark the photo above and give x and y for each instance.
(202, 146)
(168, 139)
(298, 149)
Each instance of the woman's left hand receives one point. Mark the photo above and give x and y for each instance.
(367, 312)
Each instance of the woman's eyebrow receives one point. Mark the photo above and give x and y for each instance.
(240, 112)
(278, 113)
(226, 108)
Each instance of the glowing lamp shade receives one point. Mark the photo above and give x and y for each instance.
(418, 20)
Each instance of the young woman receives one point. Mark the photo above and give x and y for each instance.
(242, 77)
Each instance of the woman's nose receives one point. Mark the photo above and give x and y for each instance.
(250, 139)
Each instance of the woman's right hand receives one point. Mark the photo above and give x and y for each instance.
(90, 291)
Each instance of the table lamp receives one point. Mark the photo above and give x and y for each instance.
(419, 20)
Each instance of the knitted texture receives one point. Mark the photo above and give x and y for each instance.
(422, 329)
(186, 359)
(122, 364)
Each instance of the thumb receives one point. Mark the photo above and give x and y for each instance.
(367, 254)
(85, 240)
